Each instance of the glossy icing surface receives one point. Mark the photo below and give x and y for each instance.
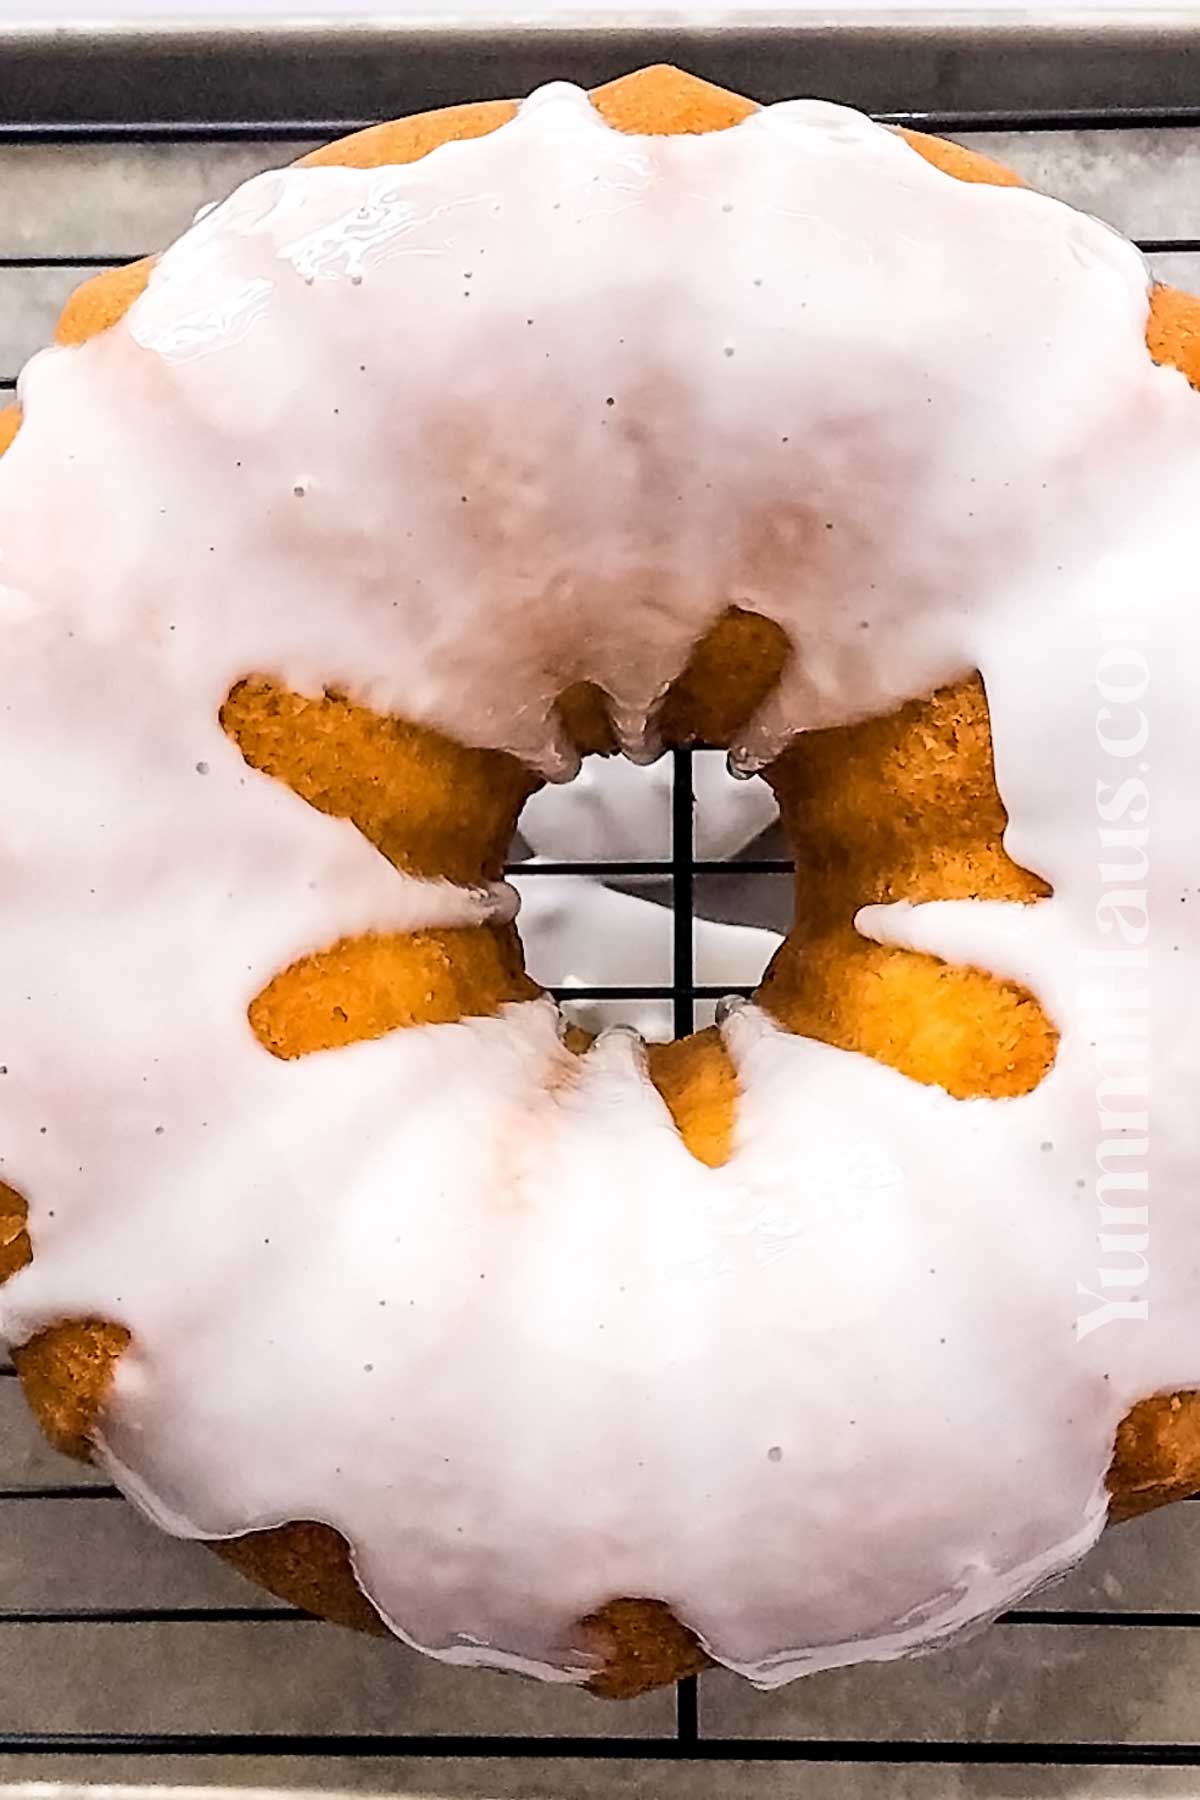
(857, 1387)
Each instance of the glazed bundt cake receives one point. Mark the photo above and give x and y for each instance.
(474, 445)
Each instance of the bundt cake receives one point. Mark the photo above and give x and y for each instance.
(476, 444)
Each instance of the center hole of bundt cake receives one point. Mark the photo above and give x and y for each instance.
(648, 893)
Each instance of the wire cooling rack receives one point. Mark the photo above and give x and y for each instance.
(300, 85)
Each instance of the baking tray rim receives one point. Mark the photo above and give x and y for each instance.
(1085, 66)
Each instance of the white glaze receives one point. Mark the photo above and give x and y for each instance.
(829, 1401)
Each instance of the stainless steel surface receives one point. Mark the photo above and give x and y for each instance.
(919, 62)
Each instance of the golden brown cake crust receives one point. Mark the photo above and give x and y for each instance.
(904, 807)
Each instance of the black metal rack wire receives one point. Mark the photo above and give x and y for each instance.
(1155, 76)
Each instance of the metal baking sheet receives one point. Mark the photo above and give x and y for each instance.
(942, 65)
